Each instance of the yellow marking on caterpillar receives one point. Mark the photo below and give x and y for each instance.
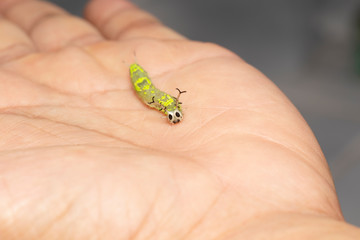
(142, 83)
(154, 97)
(166, 103)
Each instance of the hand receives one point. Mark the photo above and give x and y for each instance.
(83, 158)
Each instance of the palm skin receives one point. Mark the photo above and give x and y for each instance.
(82, 158)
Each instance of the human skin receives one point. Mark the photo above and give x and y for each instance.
(81, 157)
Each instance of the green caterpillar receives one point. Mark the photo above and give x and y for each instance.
(154, 97)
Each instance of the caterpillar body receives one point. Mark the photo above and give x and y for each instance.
(153, 97)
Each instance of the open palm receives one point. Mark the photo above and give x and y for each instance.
(83, 158)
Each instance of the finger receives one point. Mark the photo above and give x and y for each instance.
(119, 19)
(7, 3)
(26, 13)
(49, 26)
(14, 43)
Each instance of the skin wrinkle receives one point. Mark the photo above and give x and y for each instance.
(61, 105)
(165, 218)
(114, 121)
(83, 40)
(196, 145)
(22, 121)
(198, 223)
(15, 52)
(298, 155)
(8, 110)
(253, 109)
(309, 212)
(5, 109)
(47, 132)
(82, 128)
(102, 93)
(141, 122)
(208, 140)
(146, 217)
(60, 146)
(178, 68)
(145, 38)
(48, 86)
(301, 155)
(203, 124)
(317, 153)
(139, 23)
(42, 19)
(97, 61)
(178, 196)
(89, 188)
(248, 106)
(268, 215)
(293, 149)
(242, 225)
(61, 215)
(329, 184)
(67, 209)
(196, 163)
(218, 177)
(166, 132)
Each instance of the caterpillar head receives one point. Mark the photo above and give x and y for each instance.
(174, 116)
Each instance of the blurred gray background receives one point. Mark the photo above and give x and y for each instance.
(307, 47)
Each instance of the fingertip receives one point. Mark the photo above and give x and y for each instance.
(99, 11)
(120, 19)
